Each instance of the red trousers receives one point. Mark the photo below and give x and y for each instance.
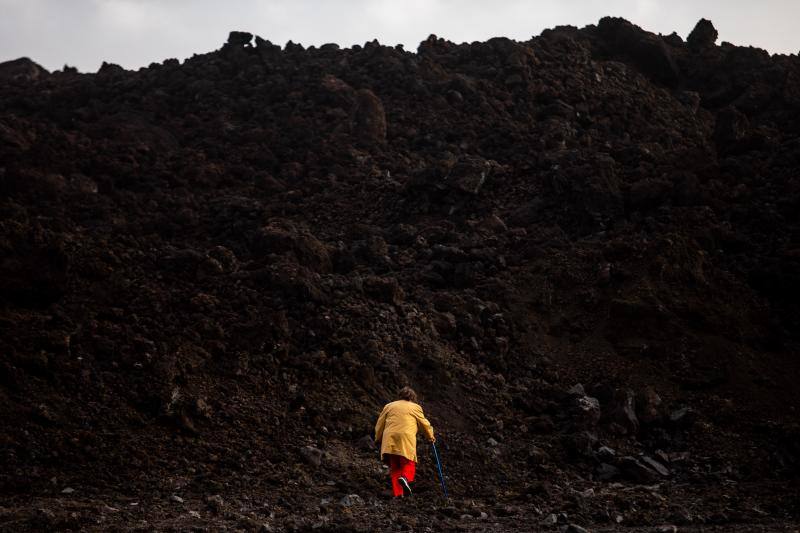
(399, 466)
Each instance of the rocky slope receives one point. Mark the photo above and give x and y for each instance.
(582, 250)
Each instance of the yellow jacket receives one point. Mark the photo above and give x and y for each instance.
(397, 429)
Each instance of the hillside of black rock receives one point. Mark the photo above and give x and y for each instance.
(582, 250)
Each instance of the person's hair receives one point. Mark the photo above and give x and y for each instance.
(408, 394)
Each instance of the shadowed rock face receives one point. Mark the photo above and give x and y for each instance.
(581, 250)
(649, 52)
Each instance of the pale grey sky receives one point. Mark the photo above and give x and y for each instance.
(134, 33)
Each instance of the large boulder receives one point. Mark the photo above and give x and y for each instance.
(648, 51)
(239, 38)
(584, 410)
(368, 118)
(703, 35)
(22, 69)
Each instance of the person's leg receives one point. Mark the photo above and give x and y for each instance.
(409, 470)
(395, 471)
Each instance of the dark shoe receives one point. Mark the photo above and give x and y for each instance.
(406, 487)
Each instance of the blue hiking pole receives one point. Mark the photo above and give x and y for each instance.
(439, 468)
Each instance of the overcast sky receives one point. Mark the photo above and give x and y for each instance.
(134, 33)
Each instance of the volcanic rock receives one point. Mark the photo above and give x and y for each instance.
(385, 290)
(368, 119)
(655, 465)
(648, 51)
(21, 70)
(586, 410)
(731, 126)
(212, 270)
(636, 471)
(624, 411)
(606, 472)
(312, 455)
(703, 35)
(216, 503)
(574, 528)
(239, 38)
(469, 173)
(351, 500)
(648, 406)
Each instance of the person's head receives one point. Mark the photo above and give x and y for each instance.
(407, 394)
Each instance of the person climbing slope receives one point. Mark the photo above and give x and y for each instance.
(396, 430)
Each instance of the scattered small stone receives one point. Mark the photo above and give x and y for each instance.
(581, 444)
(506, 510)
(574, 528)
(667, 529)
(625, 412)
(662, 456)
(648, 406)
(637, 472)
(655, 465)
(606, 472)
(46, 515)
(350, 500)
(587, 409)
(176, 498)
(194, 514)
(494, 223)
(492, 442)
(577, 389)
(311, 455)
(550, 520)
(68, 490)
(537, 456)
(681, 517)
(604, 453)
(202, 408)
(678, 457)
(469, 173)
(215, 502)
(682, 417)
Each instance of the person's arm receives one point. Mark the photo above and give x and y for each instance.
(380, 425)
(423, 423)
